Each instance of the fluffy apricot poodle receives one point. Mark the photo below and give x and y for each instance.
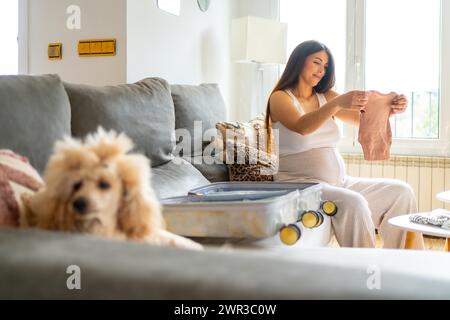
(99, 187)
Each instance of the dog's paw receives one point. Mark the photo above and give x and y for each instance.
(189, 244)
(164, 237)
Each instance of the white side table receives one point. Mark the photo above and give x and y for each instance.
(404, 223)
(444, 196)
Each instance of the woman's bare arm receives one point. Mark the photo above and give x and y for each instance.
(283, 110)
(350, 116)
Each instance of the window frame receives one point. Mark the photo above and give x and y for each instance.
(356, 30)
(23, 37)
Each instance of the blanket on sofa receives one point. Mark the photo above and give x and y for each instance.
(16, 177)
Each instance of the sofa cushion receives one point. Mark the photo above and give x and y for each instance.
(215, 172)
(197, 103)
(143, 110)
(34, 265)
(34, 113)
(176, 178)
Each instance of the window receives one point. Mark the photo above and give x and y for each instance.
(305, 22)
(402, 55)
(386, 45)
(9, 31)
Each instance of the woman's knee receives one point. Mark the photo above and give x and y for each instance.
(350, 203)
(401, 189)
(357, 204)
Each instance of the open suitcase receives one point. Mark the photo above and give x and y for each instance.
(267, 213)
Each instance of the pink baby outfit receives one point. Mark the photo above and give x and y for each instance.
(375, 134)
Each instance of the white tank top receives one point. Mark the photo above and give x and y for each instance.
(290, 142)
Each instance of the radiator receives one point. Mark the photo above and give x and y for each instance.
(426, 175)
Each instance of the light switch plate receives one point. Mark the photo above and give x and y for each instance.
(55, 51)
(97, 47)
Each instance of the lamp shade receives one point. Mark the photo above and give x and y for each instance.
(258, 40)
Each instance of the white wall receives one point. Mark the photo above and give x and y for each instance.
(260, 8)
(99, 19)
(245, 75)
(188, 49)
(191, 48)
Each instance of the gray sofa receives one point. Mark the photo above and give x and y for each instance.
(35, 111)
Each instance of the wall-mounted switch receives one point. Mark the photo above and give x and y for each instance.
(97, 47)
(55, 51)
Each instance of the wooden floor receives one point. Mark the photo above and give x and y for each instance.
(431, 243)
(434, 243)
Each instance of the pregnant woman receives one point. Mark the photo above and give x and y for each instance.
(302, 109)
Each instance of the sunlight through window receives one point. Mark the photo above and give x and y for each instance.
(402, 55)
(9, 24)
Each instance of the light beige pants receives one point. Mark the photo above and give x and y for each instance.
(363, 203)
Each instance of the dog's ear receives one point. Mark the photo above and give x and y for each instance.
(140, 213)
(107, 145)
(42, 210)
(27, 217)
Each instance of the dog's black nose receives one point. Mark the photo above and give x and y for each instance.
(80, 205)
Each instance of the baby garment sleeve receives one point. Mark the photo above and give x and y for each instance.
(375, 134)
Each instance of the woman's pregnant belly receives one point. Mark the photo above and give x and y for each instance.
(317, 165)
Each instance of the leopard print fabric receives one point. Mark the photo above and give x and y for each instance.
(244, 150)
(250, 164)
(247, 172)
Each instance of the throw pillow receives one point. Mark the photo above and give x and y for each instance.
(34, 114)
(17, 176)
(202, 103)
(143, 110)
(252, 133)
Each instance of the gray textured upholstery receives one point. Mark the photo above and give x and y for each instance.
(34, 113)
(33, 265)
(213, 172)
(143, 110)
(172, 179)
(197, 103)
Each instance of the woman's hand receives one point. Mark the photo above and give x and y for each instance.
(399, 104)
(353, 100)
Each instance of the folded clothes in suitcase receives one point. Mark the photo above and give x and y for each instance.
(240, 209)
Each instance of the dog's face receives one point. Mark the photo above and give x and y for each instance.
(94, 200)
(98, 187)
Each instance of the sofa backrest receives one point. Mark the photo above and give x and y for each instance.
(143, 110)
(34, 113)
(202, 104)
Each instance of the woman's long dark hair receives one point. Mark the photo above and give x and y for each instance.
(290, 77)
